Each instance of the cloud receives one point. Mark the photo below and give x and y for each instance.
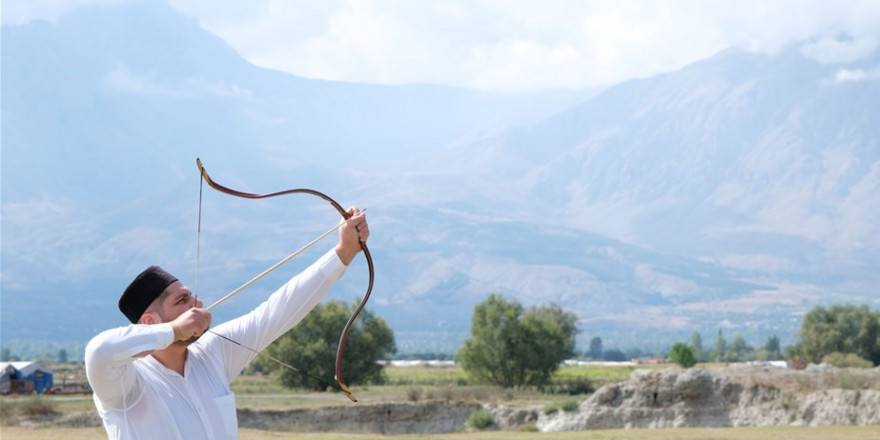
(23, 11)
(843, 49)
(520, 45)
(513, 44)
(852, 75)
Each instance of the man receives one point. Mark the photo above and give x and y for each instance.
(164, 377)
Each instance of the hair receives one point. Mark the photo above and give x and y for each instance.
(156, 305)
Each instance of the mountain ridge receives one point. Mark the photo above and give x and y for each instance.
(735, 193)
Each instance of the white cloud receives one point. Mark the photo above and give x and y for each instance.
(513, 44)
(840, 50)
(851, 75)
(23, 11)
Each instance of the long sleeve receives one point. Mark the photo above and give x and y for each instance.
(285, 308)
(139, 398)
(109, 358)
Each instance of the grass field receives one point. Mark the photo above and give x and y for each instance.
(449, 384)
(768, 433)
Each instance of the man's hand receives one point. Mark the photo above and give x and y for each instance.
(354, 232)
(191, 324)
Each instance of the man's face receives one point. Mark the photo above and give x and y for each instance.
(178, 300)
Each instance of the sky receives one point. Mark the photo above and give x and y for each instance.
(509, 45)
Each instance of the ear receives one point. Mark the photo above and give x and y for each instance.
(149, 318)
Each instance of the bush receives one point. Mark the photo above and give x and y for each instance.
(843, 360)
(528, 427)
(569, 405)
(577, 386)
(414, 394)
(841, 328)
(682, 355)
(481, 419)
(36, 408)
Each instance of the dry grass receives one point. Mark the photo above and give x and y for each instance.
(765, 433)
(804, 381)
(448, 384)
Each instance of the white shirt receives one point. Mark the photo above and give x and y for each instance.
(139, 398)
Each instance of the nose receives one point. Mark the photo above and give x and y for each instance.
(198, 304)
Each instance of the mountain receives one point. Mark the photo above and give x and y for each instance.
(104, 114)
(736, 193)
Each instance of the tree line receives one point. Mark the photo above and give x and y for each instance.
(842, 335)
(512, 346)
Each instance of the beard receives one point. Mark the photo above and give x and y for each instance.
(185, 343)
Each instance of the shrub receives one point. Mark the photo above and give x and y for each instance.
(683, 355)
(414, 394)
(550, 408)
(843, 360)
(37, 407)
(528, 427)
(573, 387)
(481, 419)
(569, 405)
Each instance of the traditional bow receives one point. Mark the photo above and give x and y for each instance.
(345, 215)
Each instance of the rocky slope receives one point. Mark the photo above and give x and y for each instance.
(739, 396)
(723, 397)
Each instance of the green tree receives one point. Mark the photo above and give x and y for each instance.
(614, 355)
(311, 348)
(596, 348)
(841, 329)
(848, 360)
(697, 344)
(773, 348)
(720, 347)
(510, 347)
(683, 355)
(738, 348)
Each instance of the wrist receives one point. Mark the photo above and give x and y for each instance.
(346, 254)
(178, 334)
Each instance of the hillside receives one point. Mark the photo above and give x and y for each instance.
(736, 193)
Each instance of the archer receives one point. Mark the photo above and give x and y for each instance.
(166, 377)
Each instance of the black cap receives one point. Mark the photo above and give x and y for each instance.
(145, 288)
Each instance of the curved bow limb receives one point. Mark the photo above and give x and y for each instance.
(345, 215)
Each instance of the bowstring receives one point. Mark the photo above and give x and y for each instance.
(196, 294)
(199, 236)
(279, 362)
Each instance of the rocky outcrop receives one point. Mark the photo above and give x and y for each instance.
(507, 418)
(744, 396)
(735, 396)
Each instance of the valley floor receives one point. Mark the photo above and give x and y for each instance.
(761, 433)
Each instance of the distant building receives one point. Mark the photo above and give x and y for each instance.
(24, 378)
(8, 373)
